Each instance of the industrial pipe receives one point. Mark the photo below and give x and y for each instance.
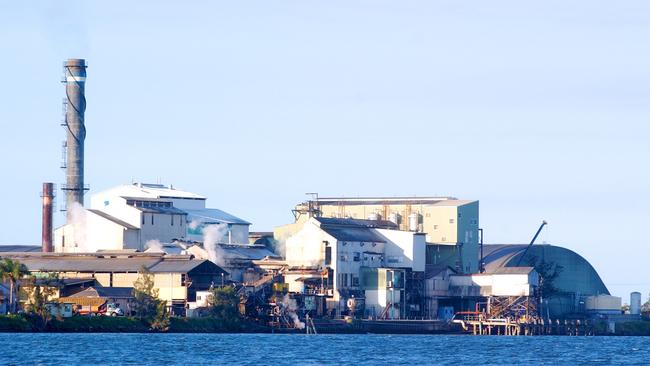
(75, 81)
(48, 199)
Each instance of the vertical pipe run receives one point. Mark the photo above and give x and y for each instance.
(75, 79)
(48, 198)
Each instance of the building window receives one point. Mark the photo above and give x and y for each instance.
(183, 279)
(435, 227)
(355, 281)
(142, 219)
(356, 257)
(343, 257)
(328, 253)
(451, 221)
(151, 219)
(343, 280)
(172, 220)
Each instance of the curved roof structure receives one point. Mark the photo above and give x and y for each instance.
(576, 276)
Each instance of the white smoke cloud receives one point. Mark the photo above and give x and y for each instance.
(154, 246)
(194, 224)
(78, 220)
(290, 308)
(213, 235)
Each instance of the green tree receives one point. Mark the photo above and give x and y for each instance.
(161, 320)
(645, 308)
(146, 303)
(40, 293)
(145, 295)
(12, 272)
(548, 273)
(224, 305)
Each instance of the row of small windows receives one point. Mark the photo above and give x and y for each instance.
(173, 219)
(356, 257)
(348, 280)
(151, 204)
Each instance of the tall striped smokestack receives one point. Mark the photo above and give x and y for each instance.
(75, 81)
(48, 198)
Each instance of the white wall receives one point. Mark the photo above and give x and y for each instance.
(306, 247)
(379, 299)
(409, 247)
(91, 233)
(499, 284)
(115, 206)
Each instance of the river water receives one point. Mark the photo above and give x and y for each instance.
(296, 350)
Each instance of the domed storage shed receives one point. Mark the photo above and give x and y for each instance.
(576, 280)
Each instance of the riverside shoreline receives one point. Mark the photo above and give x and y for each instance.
(102, 324)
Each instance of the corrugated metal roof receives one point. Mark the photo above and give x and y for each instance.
(511, 270)
(161, 210)
(87, 264)
(383, 224)
(143, 190)
(99, 291)
(353, 234)
(349, 201)
(213, 216)
(250, 252)
(20, 248)
(174, 265)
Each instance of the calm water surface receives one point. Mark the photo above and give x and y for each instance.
(270, 349)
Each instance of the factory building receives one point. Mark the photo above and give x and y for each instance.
(357, 264)
(576, 278)
(176, 277)
(238, 259)
(130, 216)
(450, 225)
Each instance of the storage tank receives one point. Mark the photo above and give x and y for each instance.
(374, 216)
(414, 221)
(395, 218)
(635, 303)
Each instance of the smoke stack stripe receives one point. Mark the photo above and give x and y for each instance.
(75, 79)
(48, 199)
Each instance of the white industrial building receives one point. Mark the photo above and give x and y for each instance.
(130, 216)
(350, 260)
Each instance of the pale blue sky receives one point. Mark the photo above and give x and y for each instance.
(539, 109)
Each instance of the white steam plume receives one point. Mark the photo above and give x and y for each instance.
(212, 235)
(78, 221)
(290, 308)
(154, 246)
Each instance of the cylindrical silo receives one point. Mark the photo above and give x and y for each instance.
(414, 221)
(635, 303)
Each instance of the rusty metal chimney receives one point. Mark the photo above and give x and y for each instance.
(75, 81)
(48, 203)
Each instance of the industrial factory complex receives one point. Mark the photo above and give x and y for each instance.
(374, 259)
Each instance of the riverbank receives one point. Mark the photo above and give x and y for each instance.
(103, 324)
